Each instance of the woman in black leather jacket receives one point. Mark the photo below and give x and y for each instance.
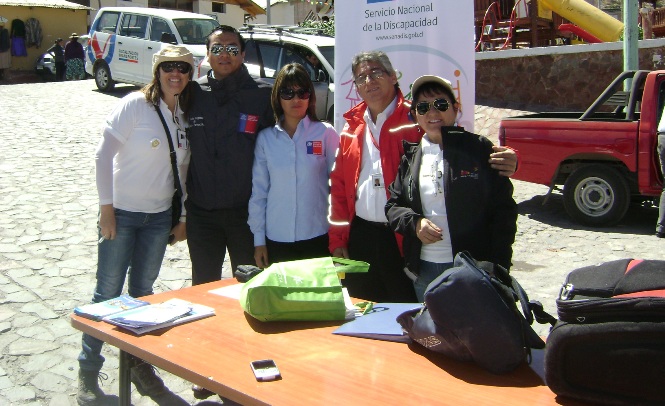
(446, 197)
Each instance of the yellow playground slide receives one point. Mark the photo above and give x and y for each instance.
(589, 18)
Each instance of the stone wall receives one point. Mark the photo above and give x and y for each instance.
(556, 78)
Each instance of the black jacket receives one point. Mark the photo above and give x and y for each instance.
(224, 119)
(58, 52)
(482, 214)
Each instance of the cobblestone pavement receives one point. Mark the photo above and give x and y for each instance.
(48, 208)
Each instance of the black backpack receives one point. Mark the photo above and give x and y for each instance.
(470, 314)
(609, 343)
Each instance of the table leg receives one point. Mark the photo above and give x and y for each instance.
(124, 383)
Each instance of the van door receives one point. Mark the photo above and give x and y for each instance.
(131, 45)
(160, 35)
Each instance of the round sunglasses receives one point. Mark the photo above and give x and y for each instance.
(287, 93)
(183, 67)
(423, 107)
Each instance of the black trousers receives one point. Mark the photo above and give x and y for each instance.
(210, 233)
(291, 251)
(59, 71)
(386, 281)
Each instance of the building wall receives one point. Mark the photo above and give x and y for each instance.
(281, 13)
(55, 23)
(556, 78)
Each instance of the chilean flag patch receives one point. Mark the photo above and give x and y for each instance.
(248, 123)
(314, 148)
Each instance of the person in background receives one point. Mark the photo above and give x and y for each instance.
(446, 197)
(660, 148)
(292, 164)
(367, 161)
(229, 109)
(58, 52)
(135, 187)
(74, 59)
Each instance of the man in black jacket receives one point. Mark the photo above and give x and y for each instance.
(229, 109)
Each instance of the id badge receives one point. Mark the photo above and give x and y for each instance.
(182, 139)
(377, 180)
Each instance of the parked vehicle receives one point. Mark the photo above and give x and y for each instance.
(45, 65)
(268, 48)
(604, 157)
(124, 39)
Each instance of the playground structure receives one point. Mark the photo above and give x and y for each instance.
(510, 24)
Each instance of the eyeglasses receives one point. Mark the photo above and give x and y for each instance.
(287, 93)
(232, 50)
(375, 74)
(183, 67)
(440, 104)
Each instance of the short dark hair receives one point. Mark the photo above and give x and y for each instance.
(291, 75)
(222, 29)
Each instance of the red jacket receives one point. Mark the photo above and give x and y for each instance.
(344, 177)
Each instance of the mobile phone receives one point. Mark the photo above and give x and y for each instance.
(265, 370)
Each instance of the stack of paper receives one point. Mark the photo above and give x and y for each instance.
(153, 317)
(98, 311)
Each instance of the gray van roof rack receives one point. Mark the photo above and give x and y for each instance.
(282, 29)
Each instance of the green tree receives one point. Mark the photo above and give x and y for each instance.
(328, 27)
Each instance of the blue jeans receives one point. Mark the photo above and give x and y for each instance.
(138, 250)
(428, 272)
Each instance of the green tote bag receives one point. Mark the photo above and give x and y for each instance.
(307, 289)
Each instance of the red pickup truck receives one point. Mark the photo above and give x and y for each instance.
(604, 157)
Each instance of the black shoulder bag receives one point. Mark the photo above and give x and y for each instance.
(176, 202)
(471, 314)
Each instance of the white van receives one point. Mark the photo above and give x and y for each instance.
(123, 40)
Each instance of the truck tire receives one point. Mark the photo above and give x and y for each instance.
(103, 78)
(596, 195)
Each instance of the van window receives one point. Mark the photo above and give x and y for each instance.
(133, 25)
(269, 54)
(194, 31)
(108, 22)
(159, 27)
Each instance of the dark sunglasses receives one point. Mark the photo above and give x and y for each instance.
(423, 107)
(217, 49)
(183, 67)
(287, 93)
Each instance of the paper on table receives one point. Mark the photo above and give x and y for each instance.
(153, 314)
(380, 323)
(97, 311)
(232, 291)
(197, 311)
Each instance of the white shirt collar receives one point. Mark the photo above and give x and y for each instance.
(381, 118)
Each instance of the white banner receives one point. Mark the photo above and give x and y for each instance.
(421, 37)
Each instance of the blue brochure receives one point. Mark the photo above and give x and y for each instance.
(380, 323)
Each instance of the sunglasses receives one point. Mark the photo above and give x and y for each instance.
(232, 50)
(375, 74)
(287, 93)
(423, 107)
(183, 67)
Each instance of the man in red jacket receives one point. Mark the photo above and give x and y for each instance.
(369, 154)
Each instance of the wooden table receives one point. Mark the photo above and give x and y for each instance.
(317, 367)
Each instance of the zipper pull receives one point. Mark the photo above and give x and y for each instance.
(566, 291)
